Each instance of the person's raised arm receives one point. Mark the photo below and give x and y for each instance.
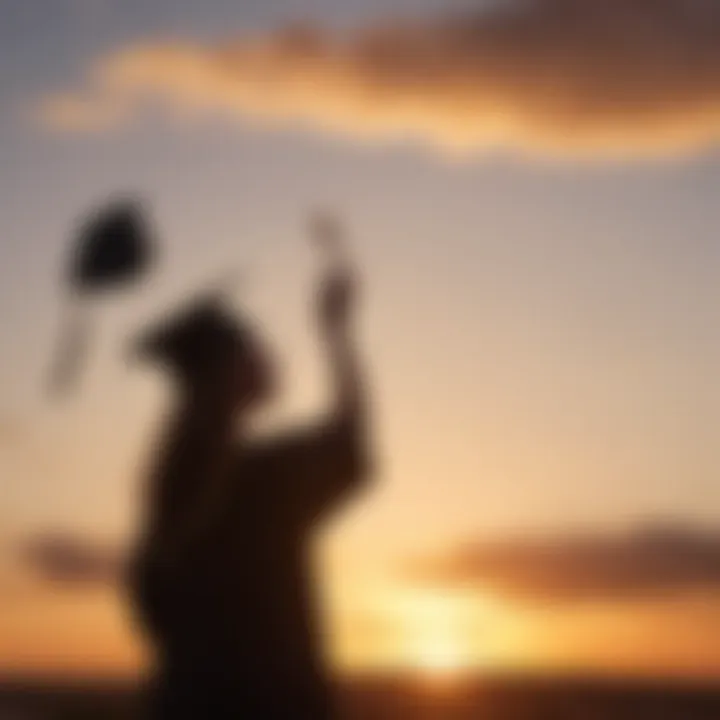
(332, 457)
(336, 307)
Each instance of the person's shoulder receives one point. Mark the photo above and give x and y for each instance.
(267, 450)
(290, 445)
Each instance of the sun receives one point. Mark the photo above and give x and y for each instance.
(437, 635)
(441, 660)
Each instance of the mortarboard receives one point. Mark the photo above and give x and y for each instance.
(113, 248)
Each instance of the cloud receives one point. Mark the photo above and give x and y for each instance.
(647, 563)
(557, 76)
(65, 560)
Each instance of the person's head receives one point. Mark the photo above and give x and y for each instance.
(209, 350)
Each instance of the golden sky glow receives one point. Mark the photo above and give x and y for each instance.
(542, 337)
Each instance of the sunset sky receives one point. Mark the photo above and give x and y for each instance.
(531, 190)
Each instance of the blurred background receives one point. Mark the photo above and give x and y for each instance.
(531, 193)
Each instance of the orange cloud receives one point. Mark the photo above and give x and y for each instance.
(559, 76)
(648, 563)
(69, 561)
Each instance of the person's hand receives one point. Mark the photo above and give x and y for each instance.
(336, 301)
(327, 233)
(337, 291)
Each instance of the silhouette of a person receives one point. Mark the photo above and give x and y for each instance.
(223, 575)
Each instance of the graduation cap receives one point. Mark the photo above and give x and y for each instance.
(113, 249)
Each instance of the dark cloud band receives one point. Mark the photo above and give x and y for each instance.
(66, 560)
(558, 76)
(646, 563)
